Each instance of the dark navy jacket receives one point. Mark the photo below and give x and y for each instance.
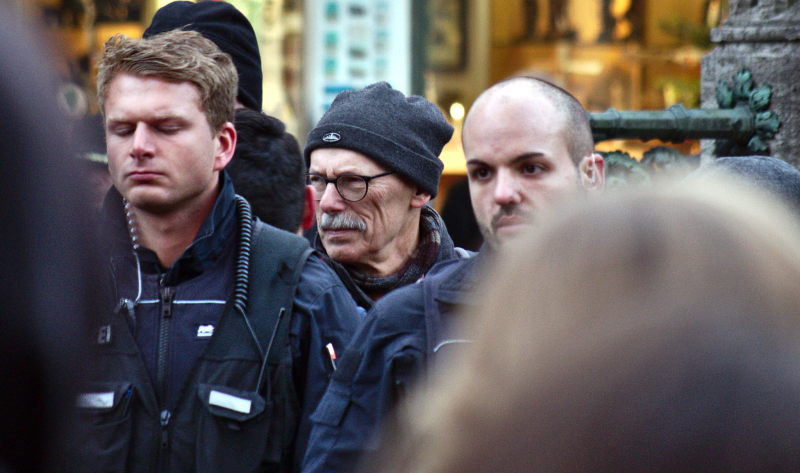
(197, 289)
(397, 343)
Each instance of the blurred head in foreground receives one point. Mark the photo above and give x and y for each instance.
(44, 259)
(656, 331)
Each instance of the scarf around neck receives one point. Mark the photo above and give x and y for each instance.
(430, 241)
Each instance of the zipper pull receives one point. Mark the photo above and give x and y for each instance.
(129, 305)
(165, 416)
(167, 294)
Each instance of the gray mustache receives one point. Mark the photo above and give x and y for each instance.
(341, 221)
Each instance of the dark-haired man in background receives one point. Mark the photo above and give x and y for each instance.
(268, 170)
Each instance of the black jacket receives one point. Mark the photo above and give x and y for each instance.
(179, 382)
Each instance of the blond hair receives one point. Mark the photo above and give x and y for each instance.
(652, 331)
(177, 56)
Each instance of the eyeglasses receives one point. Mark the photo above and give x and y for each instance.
(351, 187)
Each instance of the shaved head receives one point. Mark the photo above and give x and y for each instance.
(573, 118)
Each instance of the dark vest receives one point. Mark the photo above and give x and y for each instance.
(233, 413)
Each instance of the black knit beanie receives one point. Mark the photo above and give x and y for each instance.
(405, 134)
(228, 28)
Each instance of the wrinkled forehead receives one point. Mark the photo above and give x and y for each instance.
(338, 161)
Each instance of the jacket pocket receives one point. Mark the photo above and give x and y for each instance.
(106, 426)
(232, 430)
(331, 408)
(331, 443)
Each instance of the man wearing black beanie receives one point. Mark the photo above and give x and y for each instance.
(226, 27)
(374, 165)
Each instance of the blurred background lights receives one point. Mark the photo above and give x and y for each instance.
(457, 111)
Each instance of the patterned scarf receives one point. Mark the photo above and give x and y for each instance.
(430, 240)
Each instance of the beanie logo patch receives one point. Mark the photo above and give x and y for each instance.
(331, 137)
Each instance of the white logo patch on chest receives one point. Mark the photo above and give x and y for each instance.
(205, 331)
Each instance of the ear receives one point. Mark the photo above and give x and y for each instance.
(309, 209)
(419, 199)
(226, 145)
(592, 172)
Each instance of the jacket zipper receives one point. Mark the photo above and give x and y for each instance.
(166, 295)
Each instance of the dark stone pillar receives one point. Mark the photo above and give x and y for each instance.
(764, 37)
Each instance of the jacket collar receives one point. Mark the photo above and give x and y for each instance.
(463, 280)
(211, 241)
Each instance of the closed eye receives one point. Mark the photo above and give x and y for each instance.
(169, 126)
(168, 130)
(120, 130)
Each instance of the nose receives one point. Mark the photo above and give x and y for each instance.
(331, 201)
(142, 146)
(506, 189)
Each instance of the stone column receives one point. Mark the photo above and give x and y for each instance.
(764, 37)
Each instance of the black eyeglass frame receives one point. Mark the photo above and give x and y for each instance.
(335, 183)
